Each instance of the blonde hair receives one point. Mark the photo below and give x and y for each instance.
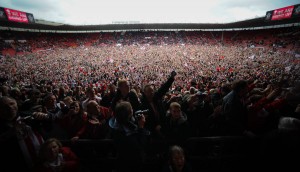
(175, 105)
(68, 99)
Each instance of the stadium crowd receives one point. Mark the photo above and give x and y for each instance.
(136, 87)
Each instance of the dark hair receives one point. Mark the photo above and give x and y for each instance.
(35, 91)
(3, 106)
(239, 85)
(89, 90)
(47, 97)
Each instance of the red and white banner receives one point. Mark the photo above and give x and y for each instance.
(15, 15)
(282, 13)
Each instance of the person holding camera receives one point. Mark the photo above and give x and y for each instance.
(19, 142)
(153, 100)
(129, 136)
(74, 122)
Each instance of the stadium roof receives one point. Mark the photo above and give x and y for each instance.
(252, 23)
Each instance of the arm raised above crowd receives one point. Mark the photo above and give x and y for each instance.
(166, 86)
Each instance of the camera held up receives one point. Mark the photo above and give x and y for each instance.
(138, 114)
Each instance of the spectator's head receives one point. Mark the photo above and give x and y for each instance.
(167, 96)
(68, 100)
(137, 88)
(50, 150)
(8, 108)
(112, 88)
(75, 107)
(193, 90)
(123, 87)
(134, 91)
(93, 108)
(70, 93)
(49, 88)
(90, 92)
(175, 110)
(34, 94)
(55, 91)
(240, 86)
(176, 158)
(15, 93)
(61, 91)
(50, 101)
(43, 88)
(78, 89)
(193, 82)
(5, 90)
(149, 91)
(123, 113)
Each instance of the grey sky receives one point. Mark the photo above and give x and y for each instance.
(145, 11)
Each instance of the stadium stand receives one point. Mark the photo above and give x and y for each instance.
(242, 75)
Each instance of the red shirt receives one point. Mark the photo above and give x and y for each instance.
(70, 162)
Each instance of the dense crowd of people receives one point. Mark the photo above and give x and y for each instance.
(133, 87)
